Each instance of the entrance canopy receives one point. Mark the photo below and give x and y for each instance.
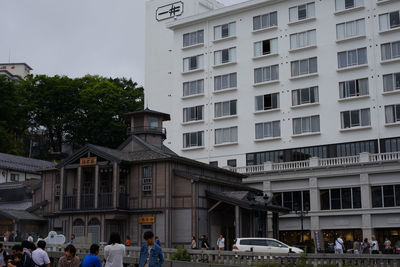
(247, 200)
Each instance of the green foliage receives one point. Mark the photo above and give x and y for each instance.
(75, 111)
(181, 255)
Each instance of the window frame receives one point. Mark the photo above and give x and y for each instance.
(198, 114)
(268, 15)
(233, 137)
(229, 104)
(199, 136)
(299, 98)
(351, 115)
(272, 107)
(346, 34)
(199, 87)
(303, 121)
(231, 28)
(199, 63)
(310, 36)
(196, 42)
(299, 62)
(231, 52)
(390, 44)
(308, 11)
(345, 88)
(219, 80)
(265, 71)
(275, 133)
(395, 82)
(357, 52)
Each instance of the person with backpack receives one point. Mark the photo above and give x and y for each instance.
(339, 245)
(26, 259)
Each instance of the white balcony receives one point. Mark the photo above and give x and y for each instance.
(363, 158)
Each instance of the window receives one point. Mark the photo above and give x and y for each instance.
(391, 82)
(226, 108)
(266, 47)
(347, 4)
(303, 39)
(226, 135)
(305, 125)
(304, 66)
(193, 87)
(147, 180)
(224, 31)
(265, 21)
(147, 171)
(268, 129)
(193, 139)
(266, 74)
(267, 102)
(340, 198)
(193, 38)
(225, 56)
(353, 88)
(302, 12)
(389, 21)
(214, 163)
(231, 162)
(392, 113)
(352, 58)
(350, 29)
(193, 63)
(296, 200)
(390, 50)
(14, 177)
(193, 113)
(305, 96)
(57, 191)
(225, 81)
(385, 196)
(355, 118)
(153, 122)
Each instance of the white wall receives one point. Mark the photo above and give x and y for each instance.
(167, 98)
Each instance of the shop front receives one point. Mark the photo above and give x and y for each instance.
(349, 236)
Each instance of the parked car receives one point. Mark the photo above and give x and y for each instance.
(267, 245)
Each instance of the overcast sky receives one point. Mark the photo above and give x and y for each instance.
(76, 37)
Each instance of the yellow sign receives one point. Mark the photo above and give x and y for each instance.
(88, 161)
(151, 219)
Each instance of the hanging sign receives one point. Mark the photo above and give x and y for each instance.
(88, 161)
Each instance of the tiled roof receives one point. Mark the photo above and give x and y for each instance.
(16, 205)
(17, 163)
(21, 215)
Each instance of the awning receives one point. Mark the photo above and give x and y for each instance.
(21, 215)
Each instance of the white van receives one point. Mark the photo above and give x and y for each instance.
(266, 245)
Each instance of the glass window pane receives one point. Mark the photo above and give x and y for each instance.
(293, 14)
(257, 23)
(304, 66)
(362, 56)
(295, 68)
(356, 198)
(259, 131)
(346, 198)
(388, 195)
(287, 200)
(386, 51)
(335, 199)
(388, 83)
(313, 65)
(342, 59)
(365, 117)
(324, 196)
(397, 193)
(376, 192)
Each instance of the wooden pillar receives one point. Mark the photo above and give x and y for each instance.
(79, 189)
(62, 173)
(115, 185)
(96, 186)
(237, 221)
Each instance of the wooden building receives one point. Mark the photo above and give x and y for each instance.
(142, 185)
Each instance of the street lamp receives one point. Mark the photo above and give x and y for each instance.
(254, 204)
(301, 213)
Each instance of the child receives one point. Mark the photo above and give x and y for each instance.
(150, 253)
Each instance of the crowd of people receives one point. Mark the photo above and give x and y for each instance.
(220, 245)
(27, 254)
(363, 246)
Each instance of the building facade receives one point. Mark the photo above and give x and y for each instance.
(15, 71)
(278, 80)
(143, 185)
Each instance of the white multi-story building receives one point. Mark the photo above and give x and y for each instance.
(267, 82)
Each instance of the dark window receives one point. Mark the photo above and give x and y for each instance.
(278, 198)
(335, 199)
(266, 47)
(297, 200)
(258, 242)
(346, 198)
(302, 12)
(306, 200)
(349, 4)
(231, 162)
(376, 192)
(147, 171)
(225, 30)
(214, 163)
(388, 196)
(394, 19)
(356, 198)
(397, 193)
(324, 195)
(287, 200)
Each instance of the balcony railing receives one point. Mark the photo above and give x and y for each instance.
(87, 201)
(147, 129)
(69, 203)
(317, 162)
(105, 201)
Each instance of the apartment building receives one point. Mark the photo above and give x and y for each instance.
(271, 87)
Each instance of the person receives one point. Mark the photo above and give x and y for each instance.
(204, 242)
(221, 242)
(150, 254)
(3, 256)
(72, 239)
(114, 251)
(11, 237)
(193, 245)
(17, 237)
(128, 241)
(26, 259)
(69, 259)
(92, 260)
(388, 246)
(339, 245)
(28, 247)
(30, 238)
(374, 245)
(39, 255)
(366, 246)
(17, 261)
(158, 241)
(356, 247)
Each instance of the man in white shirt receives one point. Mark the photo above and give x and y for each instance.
(339, 245)
(221, 242)
(374, 245)
(39, 255)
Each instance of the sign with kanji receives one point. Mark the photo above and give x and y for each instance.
(88, 161)
(150, 219)
(169, 11)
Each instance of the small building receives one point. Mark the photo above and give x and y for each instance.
(142, 185)
(15, 71)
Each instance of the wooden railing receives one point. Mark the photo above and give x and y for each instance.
(234, 258)
(362, 158)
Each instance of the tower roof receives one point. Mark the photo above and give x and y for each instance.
(148, 111)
